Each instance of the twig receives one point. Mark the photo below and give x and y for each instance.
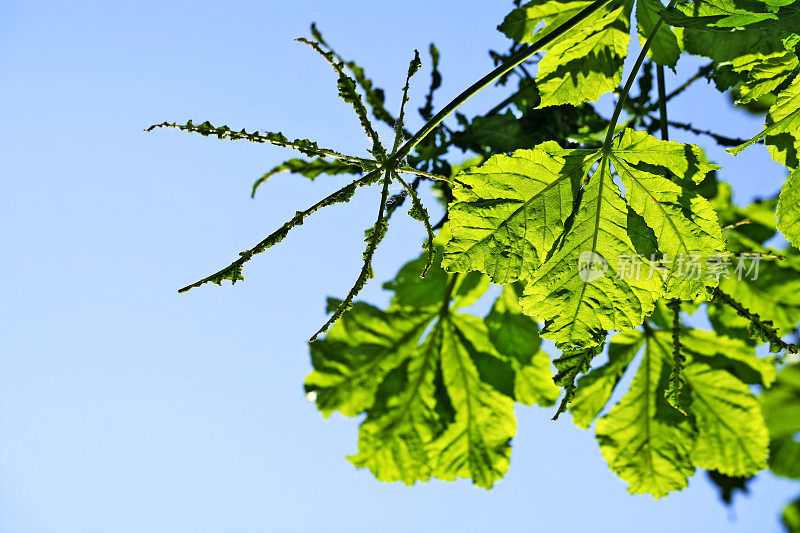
(763, 328)
(722, 140)
(378, 231)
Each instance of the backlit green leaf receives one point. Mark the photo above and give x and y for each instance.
(644, 439)
(664, 48)
(789, 209)
(732, 437)
(437, 386)
(782, 130)
(596, 387)
(582, 66)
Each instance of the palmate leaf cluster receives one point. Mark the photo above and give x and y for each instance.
(572, 228)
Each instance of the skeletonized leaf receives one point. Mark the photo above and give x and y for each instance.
(309, 169)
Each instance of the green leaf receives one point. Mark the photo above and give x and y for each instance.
(789, 209)
(664, 48)
(358, 353)
(509, 211)
(495, 133)
(585, 64)
(763, 73)
(733, 355)
(516, 337)
(476, 444)
(791, 517)
(438, 404)
(732, 436)
(578, 306)
(596, 387)
(685, 224)
(781, 406)
(782, 130)
(394, 439)
(588, 64)
(645, 440)
(541, 215)
(309, 169)
(781, 403)
(653, 446)
(682, 161)
(720, 13)
(727, 45)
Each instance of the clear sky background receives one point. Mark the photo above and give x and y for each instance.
(125, 407)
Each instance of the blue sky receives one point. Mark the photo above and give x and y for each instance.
(126, 407)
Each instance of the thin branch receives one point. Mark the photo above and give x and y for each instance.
(347, 91)
(278, 139)
(675, 388)
(737, 224)
(631, 77)
(233, 272)
(701, 73)
(762, 329)
(722, 140)
(428, 175)
(378, 231)
(662, 103)
(759, 255)
(419, 212)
